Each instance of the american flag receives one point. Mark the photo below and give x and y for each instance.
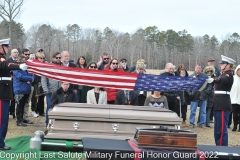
(115, 80)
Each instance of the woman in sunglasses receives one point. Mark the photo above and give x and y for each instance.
(81, 63)
(38, 90)
(113, 67)
(96, 95)
(85, 89)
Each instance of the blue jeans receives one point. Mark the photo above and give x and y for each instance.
(49, 105)
(202, 104)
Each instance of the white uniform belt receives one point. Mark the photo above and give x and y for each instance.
(5, 78)
(221, 92)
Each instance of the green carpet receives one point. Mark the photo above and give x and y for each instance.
(21, 151)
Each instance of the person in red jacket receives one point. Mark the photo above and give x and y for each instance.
(113, 67)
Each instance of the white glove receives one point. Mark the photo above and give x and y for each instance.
(210, 80)
(23, 66)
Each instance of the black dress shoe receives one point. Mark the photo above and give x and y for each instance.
(27, 121)
(21, 124)
(42, 114)
(5, 148)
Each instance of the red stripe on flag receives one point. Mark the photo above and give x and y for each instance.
(85, 75)
(105, 84)
(106, 79)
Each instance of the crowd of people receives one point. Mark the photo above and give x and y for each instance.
(217, 99)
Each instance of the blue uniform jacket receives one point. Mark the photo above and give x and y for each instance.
(20, 79)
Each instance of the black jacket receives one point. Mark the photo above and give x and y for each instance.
(206, 92)
(170, 94)
(133, 98)
(72, 86)
(184, 97)
(195, 95)
(60, 97)
(6, 86)
(223, 83)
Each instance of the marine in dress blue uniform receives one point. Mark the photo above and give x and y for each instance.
(6, 93)
(222, 102)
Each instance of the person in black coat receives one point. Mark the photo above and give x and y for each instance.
(171, 95)
(126, 97)
(209, 70)
(183, 99)
(63, 94)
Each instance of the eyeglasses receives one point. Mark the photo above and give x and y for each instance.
(115, 63)
(105, 58)
(93, 66)
(58, 57)
(27, 54)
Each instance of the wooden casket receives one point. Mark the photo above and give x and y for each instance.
(166, 139)
(73, 121)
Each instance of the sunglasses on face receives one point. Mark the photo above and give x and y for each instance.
(27, 54)
(58, 57)
(115, 63)
(105, 58)
(93, 66)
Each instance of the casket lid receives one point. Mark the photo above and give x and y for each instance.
(113, 112)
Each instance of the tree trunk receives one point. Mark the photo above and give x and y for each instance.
(10, 32)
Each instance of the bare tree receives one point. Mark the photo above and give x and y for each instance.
(9, 9)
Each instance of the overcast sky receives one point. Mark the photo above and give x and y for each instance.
(198, 17)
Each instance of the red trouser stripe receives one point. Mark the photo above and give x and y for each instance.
(137, 151)
(222, 130)
(0, 112)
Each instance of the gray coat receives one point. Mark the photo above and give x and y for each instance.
(49, 85)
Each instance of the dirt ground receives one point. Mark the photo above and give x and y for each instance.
(204, 136)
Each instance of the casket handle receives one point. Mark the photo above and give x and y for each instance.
(115, 127)
(76, 125)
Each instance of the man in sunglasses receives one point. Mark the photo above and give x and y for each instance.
(57, 58)
(49, 85)
(25, 53)
(104, 60)
(123, 64)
